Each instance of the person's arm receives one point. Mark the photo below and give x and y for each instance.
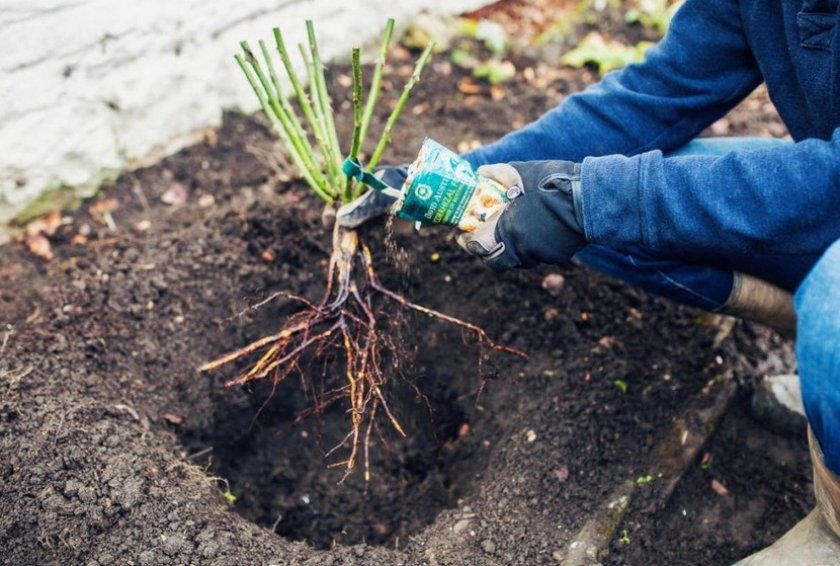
(783, 201)
(701, 69)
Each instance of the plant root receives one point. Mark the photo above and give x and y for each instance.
(344, 322)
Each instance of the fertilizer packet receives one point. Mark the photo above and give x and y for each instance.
(442, 188)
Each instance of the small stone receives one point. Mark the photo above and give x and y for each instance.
(530, 435)
(175, 195)
(174, 545)
(561, 473)
(553, 283)
(209, 550)
(206, 201)
(488, 546)
(461, 526)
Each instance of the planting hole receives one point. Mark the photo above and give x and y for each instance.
(278, 474)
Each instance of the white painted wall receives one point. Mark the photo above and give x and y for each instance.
(91, 87)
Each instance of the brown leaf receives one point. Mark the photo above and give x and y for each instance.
(47, 224)
(719, 488)
(468, 86)
(101, 207)
(420, 108)
(606, 342)
(497, 92)
(471, 100)
(172, 418)
(39, 245)
(634, 315)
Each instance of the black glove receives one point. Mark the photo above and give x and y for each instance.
(373, 203)
(540, 225)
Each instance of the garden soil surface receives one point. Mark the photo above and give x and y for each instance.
(115, 450)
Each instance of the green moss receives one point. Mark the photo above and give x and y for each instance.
(62, 197)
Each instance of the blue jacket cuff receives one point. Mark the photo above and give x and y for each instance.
(610, 201)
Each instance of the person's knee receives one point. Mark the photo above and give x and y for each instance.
(817, 303)
(818, 297)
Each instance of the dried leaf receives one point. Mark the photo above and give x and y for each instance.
(101, 207)
(606, 342)
(468, 86)
(47, 224)
(173, 419)
(719, 488)
(420, 108)
(39, 245)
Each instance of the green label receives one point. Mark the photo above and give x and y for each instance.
(441, 186)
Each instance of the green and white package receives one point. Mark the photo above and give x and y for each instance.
(442, 188)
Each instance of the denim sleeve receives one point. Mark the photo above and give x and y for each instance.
(780, 201)
(701, 69)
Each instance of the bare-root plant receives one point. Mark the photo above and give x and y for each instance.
(347, 320)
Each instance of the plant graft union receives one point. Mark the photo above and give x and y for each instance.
(347, 319)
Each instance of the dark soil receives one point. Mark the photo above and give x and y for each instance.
(114, 450)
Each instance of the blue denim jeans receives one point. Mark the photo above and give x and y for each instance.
(677, 278)
(817, 303)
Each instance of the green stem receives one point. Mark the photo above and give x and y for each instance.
(385, 139)
(376, 83)
(321, 92)
(306, 105)
(357, 119)
(278, 128)
(320, 120)
(281, 97)
(301, 144)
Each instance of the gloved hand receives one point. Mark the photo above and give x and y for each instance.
(540, 225)
(372, 203)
